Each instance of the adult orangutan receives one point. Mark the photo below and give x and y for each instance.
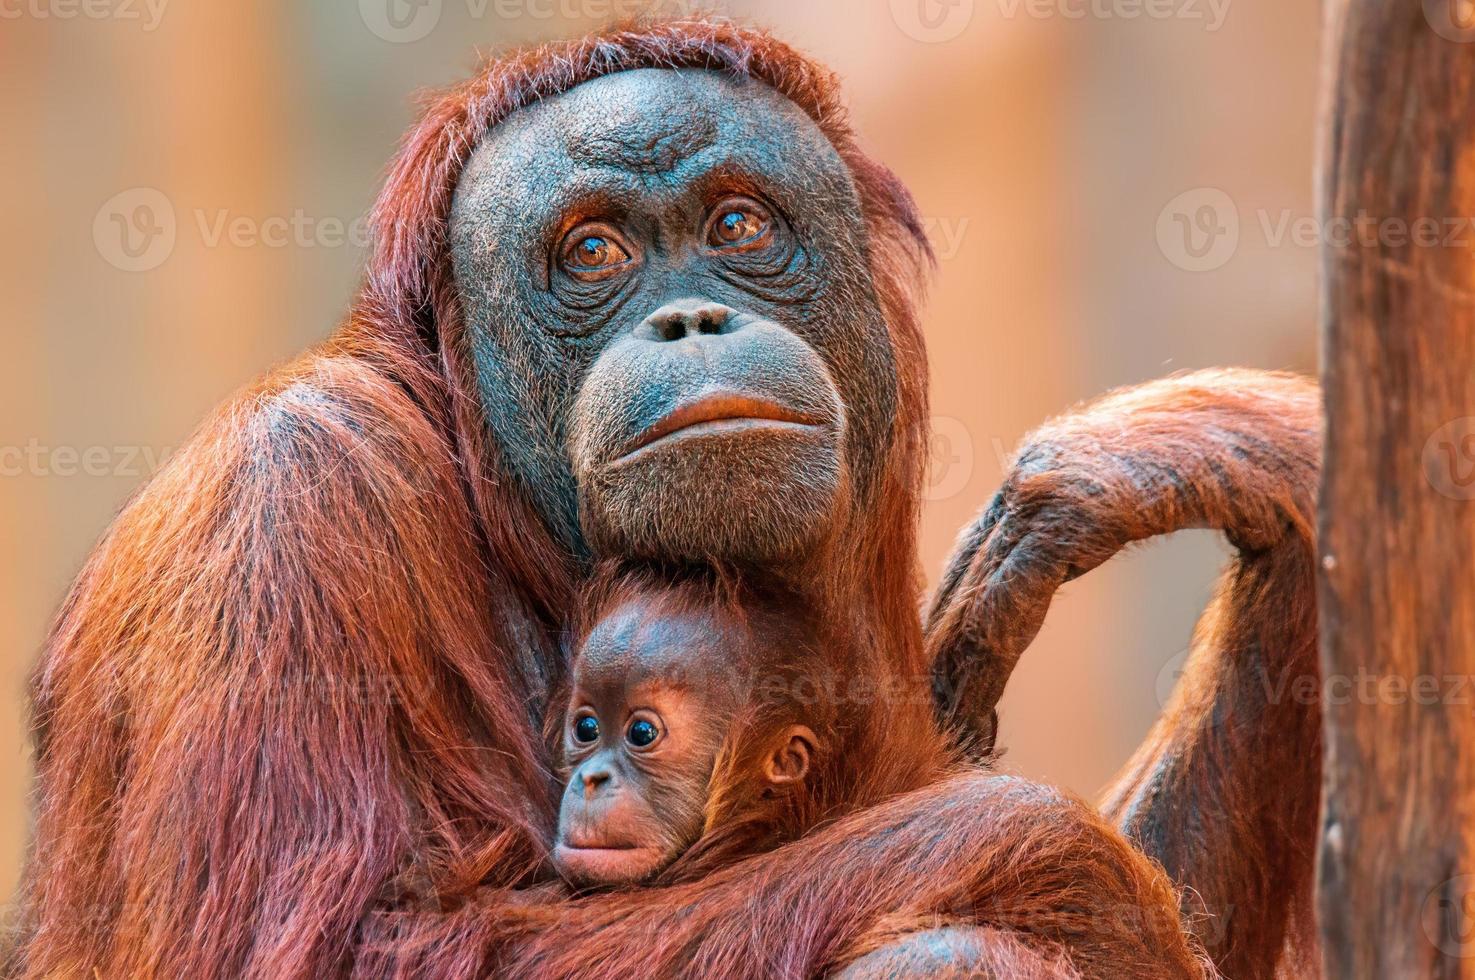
(635, 297)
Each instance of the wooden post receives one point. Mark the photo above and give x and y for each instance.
(1396, 879)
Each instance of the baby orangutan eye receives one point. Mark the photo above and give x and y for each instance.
(642, 733)
(586, 728)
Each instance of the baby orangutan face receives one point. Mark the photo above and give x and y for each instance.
(657, 693)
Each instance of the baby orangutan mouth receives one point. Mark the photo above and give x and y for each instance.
(605, 835)
(596, 865)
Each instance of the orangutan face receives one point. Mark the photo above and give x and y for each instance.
(666, 284)
(658, 694)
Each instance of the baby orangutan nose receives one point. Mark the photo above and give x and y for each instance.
(593, 779)
(607, 834)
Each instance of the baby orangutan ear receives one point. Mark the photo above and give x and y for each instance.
(789, 763)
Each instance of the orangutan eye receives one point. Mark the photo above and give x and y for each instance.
(739, 222)
(642, 733)
(595, 252)
(593, 248)
(586, 729)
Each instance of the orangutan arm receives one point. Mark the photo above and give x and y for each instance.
(273, 690)
(1224, 791)
(1017, 872)
(275, 695)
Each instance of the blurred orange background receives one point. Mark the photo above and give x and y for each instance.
(1105, 181)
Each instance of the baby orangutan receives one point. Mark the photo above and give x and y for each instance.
(683, 739)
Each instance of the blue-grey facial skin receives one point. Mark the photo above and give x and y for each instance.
(569, 378)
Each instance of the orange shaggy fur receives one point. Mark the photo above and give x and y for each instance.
(287, 722)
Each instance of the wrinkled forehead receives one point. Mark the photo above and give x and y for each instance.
(638, 645)
(652, 124)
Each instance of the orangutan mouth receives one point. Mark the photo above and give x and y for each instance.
(606, 865)
(719, 412)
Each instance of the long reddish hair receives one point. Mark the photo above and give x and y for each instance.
(409, 301)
